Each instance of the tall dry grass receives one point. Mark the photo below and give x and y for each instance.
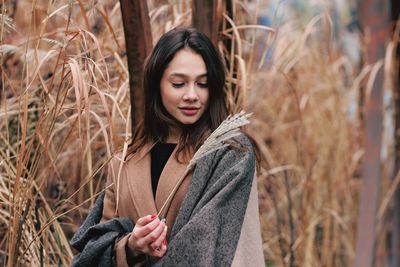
(65, 109)
(309, 180)
(310, 127)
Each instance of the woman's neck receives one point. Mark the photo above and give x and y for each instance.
(173, 136)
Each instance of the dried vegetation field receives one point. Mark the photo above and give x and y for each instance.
(64, 110)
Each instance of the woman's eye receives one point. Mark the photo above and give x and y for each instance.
(178, 85)
(203, 85)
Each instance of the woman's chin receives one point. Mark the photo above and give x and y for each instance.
(187, 120)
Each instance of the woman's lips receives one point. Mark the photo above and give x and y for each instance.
(189, 111)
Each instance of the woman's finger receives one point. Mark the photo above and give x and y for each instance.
(159, 252)
(153, 235)
(142, 231)
(159, 241)
(145, 219)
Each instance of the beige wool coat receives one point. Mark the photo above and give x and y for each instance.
(130, 195)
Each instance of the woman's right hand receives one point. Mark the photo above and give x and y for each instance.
(149, 236)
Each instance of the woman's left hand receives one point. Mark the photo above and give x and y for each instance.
(148, 236)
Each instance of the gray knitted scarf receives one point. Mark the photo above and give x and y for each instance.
(207, 228)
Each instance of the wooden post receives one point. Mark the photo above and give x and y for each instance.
(374, 18)
(395, 231)
(206, 17)
(138, 43)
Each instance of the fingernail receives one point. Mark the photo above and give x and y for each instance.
(165, 228)
(164, 242)
(153, 216)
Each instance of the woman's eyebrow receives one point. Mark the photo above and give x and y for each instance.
(182, 75)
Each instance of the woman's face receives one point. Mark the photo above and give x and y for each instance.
(184, 87)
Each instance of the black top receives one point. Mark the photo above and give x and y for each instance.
(160, 154)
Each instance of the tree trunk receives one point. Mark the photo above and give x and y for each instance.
(395, 231)
(138, 42)
(374, 19)
(207, 18)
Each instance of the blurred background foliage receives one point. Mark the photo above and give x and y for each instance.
(65, 109)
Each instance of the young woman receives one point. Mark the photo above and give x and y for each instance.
(212, 219)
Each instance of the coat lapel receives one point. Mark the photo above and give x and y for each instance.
(169, 177)
(139, 182)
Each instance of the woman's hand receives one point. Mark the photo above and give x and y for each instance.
(148, 236)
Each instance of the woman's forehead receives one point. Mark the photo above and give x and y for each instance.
(186, 63)
(184, 75)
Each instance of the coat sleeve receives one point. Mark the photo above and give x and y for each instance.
(95, 241)
(102, 238)
(208, 226)
(109, 206)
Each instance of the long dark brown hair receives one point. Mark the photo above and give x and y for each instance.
(156, 121)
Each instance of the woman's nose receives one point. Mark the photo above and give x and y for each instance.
(191, 94)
